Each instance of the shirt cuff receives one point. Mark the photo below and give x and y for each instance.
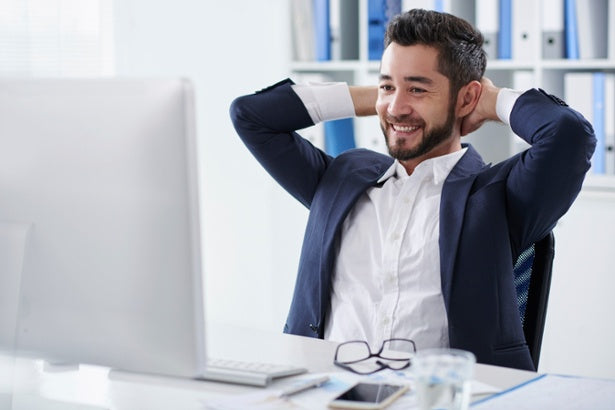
(505, 102)
(325, 101)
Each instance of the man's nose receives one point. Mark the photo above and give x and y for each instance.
(399, 105)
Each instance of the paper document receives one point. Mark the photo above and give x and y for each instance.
(319, 398)
(554, 392)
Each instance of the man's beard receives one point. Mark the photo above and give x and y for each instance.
(431, 138)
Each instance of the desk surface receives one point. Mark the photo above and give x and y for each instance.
(94, 387)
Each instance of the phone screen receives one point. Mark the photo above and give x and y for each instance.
(369, 393)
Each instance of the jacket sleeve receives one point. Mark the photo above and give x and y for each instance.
(267, 122)
(548, 176)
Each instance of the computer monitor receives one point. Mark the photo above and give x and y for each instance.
(99, 193)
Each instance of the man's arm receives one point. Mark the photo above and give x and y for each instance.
(545, 179)
(266, 122)
(364, 99)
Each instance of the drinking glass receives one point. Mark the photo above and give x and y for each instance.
(443, 378)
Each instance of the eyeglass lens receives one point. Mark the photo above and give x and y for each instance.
(351, 352)
(397, 349)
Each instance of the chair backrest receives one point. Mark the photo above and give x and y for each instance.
(533, 281)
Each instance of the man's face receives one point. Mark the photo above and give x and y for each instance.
(417, 115)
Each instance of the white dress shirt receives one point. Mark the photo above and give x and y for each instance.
(386, 280)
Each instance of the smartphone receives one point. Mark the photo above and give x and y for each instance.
(368, 396)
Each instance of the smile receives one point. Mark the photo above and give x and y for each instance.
(404, 128)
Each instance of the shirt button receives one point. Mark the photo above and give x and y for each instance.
(385, 321)
(406, 200)
(395, 236)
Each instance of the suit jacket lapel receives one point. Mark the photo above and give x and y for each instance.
(346, 195)
(452, 208)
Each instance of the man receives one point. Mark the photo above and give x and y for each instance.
(419, 244)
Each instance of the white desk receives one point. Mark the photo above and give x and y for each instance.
(96, 387)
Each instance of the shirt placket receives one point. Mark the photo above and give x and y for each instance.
(392, 247)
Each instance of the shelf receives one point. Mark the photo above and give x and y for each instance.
(327, 66)
(503, 65)
(374, 66)
(599, 64)
(511, 65)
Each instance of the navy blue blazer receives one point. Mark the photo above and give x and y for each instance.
(488, 214)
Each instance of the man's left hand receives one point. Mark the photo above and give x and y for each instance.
(484, 110)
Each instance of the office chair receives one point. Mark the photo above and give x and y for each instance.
(532, 273)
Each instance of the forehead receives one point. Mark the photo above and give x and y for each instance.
(410, 61)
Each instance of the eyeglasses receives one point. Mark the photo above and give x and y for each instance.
(355, 356)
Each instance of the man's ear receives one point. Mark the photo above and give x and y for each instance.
(467, 98)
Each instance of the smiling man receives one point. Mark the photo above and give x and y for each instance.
(419, 244)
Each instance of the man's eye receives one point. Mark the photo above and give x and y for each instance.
(415, 90)
(386, 87)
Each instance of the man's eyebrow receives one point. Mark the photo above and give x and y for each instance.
(413, 79)
(419, 79)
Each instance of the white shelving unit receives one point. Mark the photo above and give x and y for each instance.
(544, 73)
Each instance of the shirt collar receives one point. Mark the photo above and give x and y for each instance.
(439, 167)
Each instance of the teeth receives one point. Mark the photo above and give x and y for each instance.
(403, 128)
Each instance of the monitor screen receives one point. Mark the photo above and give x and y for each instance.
(99, 193)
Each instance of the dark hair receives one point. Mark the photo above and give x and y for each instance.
(461, 57)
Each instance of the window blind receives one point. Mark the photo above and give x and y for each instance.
(56, 38)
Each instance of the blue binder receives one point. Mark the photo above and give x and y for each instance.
(322, 30)
(379, 13)
(570, 30)
(598, 160)
(505, 33)
(339, 136)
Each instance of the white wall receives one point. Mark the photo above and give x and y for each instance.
(580, 328)
(227, 48)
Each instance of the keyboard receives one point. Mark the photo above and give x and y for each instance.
(250, 373)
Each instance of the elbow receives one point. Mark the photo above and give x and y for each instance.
(244, 120)
(573, 139)
(583, 133)
(238, 112)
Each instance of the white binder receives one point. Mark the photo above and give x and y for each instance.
(592, 28)
(552, 26)
(524, 36)
(488, 22)
(344, 25)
